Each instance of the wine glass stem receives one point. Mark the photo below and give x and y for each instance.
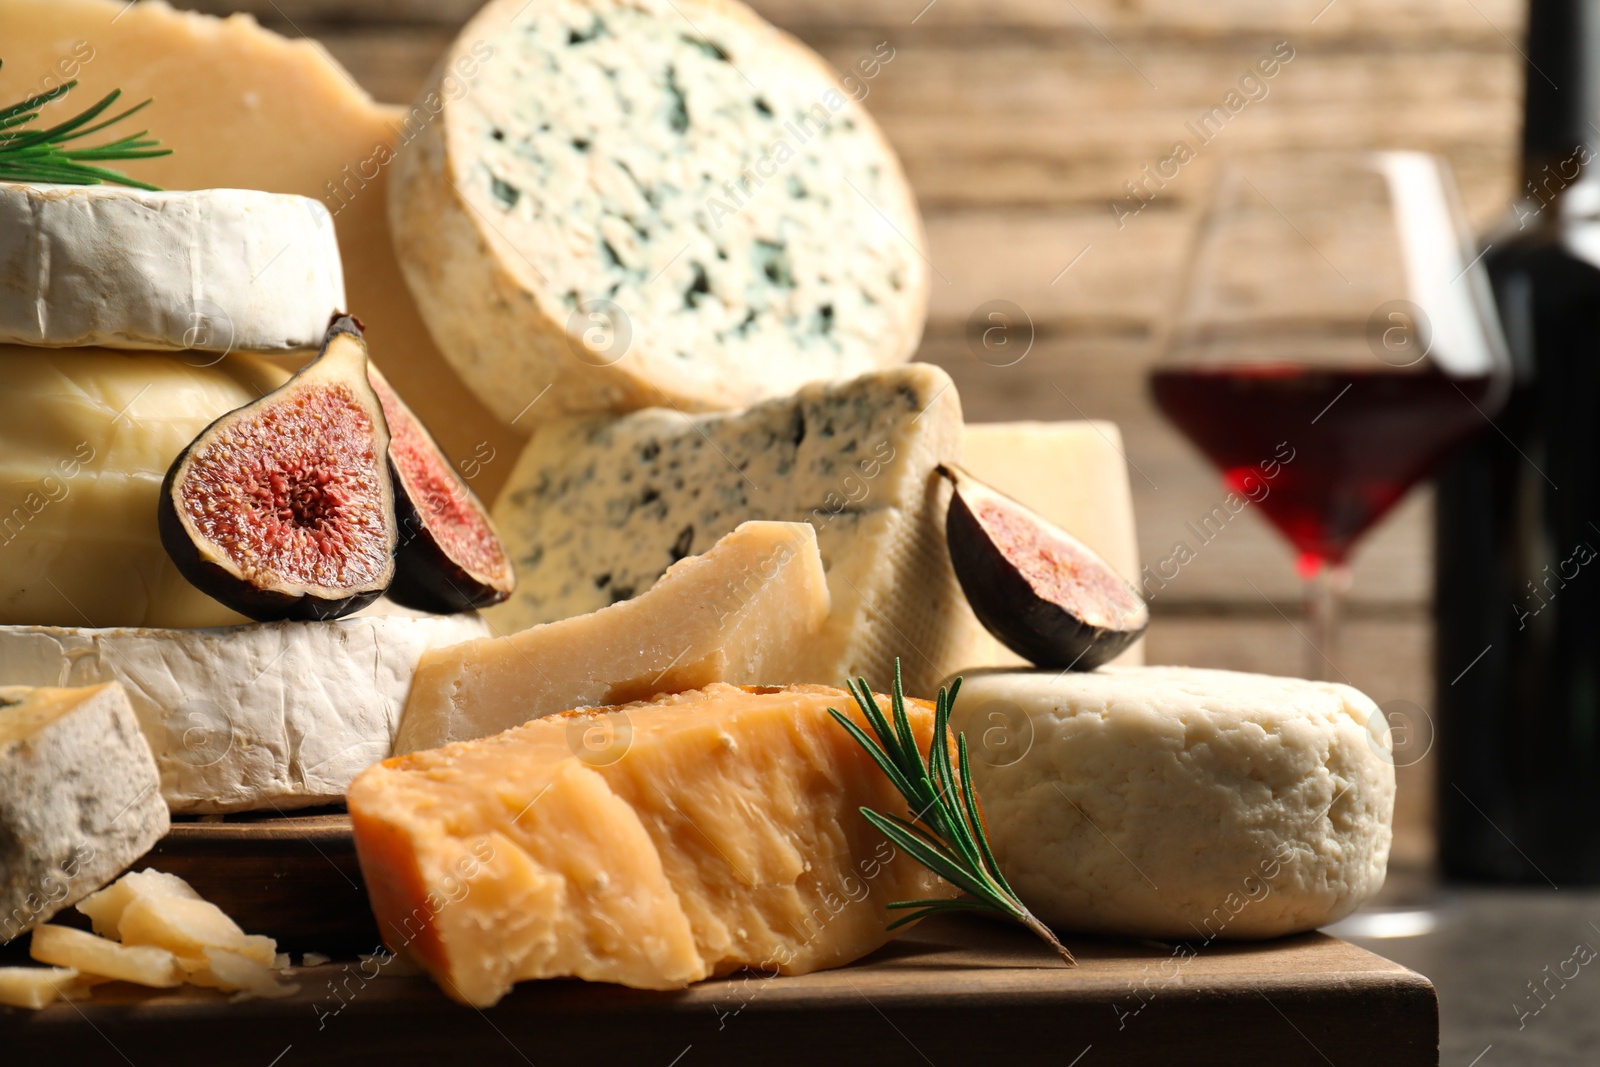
(1324, 596)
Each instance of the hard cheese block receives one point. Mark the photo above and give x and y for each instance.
(221, 269)
(1075, 475)
(258, 717)
(745, 612)
(243, 108)
(718, 829)
(79, 798)
(86, 436)
(617, 212)
(598, 508)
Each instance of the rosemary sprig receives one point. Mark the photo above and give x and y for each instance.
(38, 156)
(946, 833)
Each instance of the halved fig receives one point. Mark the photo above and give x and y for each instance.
(284, 508)
(1043, 593)
(450, 557)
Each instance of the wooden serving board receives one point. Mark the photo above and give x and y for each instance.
(953, 991)
(294, 878)
(948, 993)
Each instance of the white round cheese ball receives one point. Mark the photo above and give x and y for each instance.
(1180, 803)
(86, 436)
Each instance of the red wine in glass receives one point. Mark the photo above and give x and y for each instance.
(1359, 439)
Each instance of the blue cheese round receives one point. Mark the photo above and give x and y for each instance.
(638, 203)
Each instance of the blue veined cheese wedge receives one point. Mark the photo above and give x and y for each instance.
(598, 508)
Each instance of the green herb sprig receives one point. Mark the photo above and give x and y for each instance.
(37, 156)
(946, 833)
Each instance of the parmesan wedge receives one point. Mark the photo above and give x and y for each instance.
(705, 832)
(743, 612)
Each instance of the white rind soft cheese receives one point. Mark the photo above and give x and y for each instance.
(217, 270)
(258, 717)
(1173, 802)
(79, 798)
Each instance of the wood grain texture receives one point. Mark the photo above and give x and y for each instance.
(1365, 20)
(946, 993)
(293, 878)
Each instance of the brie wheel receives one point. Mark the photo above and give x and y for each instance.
(267, 716)
(219, 270)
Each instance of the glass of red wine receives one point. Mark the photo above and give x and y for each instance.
(1336, 339)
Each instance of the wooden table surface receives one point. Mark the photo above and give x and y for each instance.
(945, 993)
(948, 993)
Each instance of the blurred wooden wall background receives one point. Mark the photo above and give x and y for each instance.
(1018, 121)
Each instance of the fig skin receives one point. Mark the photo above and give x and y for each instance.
(269, 603)
(1039, 630)
(427, 576)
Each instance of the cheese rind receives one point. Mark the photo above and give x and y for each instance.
(79, 798)
(242, 107)
(1175, 802)
(262, 716)
(722, 830)
(86, 436)
(745, 613)
(219, 270)
(652, 203)
(1074, 474)
(598, 508)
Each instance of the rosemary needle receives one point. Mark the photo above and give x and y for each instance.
(40, 156)
(946, 834)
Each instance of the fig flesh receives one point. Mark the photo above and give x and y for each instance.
(284, 508)
(450, 558)
(1043, 593)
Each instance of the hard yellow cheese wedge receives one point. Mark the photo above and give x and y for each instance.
(744, 612)
(717, 829)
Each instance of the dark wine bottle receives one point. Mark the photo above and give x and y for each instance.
(1517, 594)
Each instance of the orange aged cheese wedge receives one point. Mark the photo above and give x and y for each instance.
(650, 844)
